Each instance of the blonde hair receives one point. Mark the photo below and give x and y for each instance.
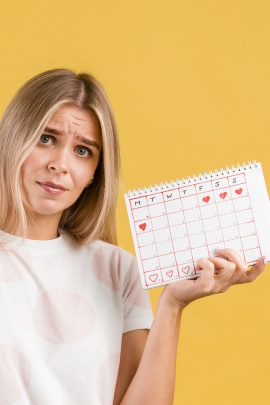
(92, 216)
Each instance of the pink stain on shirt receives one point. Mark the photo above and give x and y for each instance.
(63, 317)
(15, 374)
(108, 265)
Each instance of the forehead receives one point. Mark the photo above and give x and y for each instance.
(72, 119)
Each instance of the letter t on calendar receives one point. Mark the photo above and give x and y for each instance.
(175, 224)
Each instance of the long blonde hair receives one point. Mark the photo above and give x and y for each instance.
(92, 216)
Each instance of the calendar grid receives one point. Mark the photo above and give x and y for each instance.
(174, 226)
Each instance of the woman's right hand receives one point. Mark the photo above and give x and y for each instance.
(218, 274)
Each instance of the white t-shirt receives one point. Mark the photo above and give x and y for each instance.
(63, 310)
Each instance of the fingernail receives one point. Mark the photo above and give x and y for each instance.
(266, 259)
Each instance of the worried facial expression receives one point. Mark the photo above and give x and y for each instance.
(62, 163)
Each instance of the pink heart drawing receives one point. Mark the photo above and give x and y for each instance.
(142, 226)
(239, 191)
(223, 195)
(206, 199)
(153, 277)
(169, 273)
(185, 269)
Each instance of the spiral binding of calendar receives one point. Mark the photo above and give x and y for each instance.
(191, 180)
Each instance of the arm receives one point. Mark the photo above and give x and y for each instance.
(154, 380)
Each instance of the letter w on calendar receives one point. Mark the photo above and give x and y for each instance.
(175, 224)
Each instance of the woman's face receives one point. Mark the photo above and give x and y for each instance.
(62, 163)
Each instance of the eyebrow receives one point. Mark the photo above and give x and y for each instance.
(80, 138)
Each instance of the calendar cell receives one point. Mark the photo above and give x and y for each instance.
(234, 244)
(157, 210)
(159, 222)
(212, 248)
(247, 229)
(239, 191)
(192, 215)
(228, 220)
(153, 277)
(244, 216)
(252, 255)
(250, 242)
(222, 195)
(138, 202)
(170, 273)
(162, 235)
(143, 226)
(197, 240)
(231, 232)
(206, 199)
(150, 264)
(146, 239)
(183, 257)
(178, 231)
(242, 203)
(236, 179)
(176, 218)
(225, 207)
(167, 260)
(171, 195)
(203, 187)
(209, 211)
(149, 251)
(155, 199)
(164, 248)
(181, 244)
(199, 253)
(141, 214)
(173, 206)
(211, 224)
(220, 183)
(190, 202)
(187, 191)
(195, 227)
(185, 270)
(214, 237)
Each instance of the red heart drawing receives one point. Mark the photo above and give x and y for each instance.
(169, 273)
(239, 191)
(223, 195)
(206, 199)
(153, 277)
(185, 269)
(142, 226)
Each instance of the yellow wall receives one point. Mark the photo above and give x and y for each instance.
(190, 85)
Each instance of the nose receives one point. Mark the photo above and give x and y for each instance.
(59, 162)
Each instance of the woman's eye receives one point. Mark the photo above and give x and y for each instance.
(45, 138)
(82, 151)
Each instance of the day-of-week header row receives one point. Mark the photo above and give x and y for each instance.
(186, 191)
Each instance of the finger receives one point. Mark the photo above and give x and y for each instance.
(253, 273)
(225, 272)
(234, 257)
(206, 279)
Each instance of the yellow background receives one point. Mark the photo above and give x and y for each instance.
(190, 86)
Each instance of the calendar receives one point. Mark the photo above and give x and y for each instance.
(174, 224)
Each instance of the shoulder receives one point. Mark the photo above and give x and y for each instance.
(111, 264)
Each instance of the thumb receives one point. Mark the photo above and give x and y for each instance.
(208, 271)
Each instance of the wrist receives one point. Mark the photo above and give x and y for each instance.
(173, 304)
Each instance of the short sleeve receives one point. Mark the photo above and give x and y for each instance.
(137, 309)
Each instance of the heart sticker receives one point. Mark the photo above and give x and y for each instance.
(223, 195)
(185, 269)
(153, 277)
(142, 226)
(206, 199)
(239, 191)
(169, 273)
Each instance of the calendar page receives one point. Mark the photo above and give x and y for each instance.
(174, 224)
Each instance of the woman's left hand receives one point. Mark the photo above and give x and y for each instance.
(218, 274)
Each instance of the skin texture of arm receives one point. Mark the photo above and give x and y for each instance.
(153, 363)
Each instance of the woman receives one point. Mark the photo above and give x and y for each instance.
(74, 316)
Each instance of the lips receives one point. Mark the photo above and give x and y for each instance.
(51, 187)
